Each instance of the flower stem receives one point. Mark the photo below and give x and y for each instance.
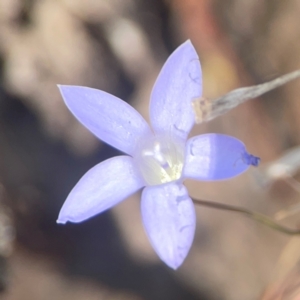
(251, 214)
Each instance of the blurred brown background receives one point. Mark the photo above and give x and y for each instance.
(119, 46)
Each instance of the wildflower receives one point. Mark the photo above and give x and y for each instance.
(158, 159)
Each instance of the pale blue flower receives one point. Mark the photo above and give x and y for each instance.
(157, 159)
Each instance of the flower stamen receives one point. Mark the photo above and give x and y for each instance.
(160, 159)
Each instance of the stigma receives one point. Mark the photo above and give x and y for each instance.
(160, 159)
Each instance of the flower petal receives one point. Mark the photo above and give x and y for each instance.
(111, 119)
(215, 157)
(100, 188)
(170, 221)
(179, 82)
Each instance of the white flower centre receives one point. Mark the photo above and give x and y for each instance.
(160, 159)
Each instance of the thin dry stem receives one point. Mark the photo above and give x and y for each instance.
(265, 220)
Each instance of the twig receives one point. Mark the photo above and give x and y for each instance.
(253, 215)
(206, 110)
